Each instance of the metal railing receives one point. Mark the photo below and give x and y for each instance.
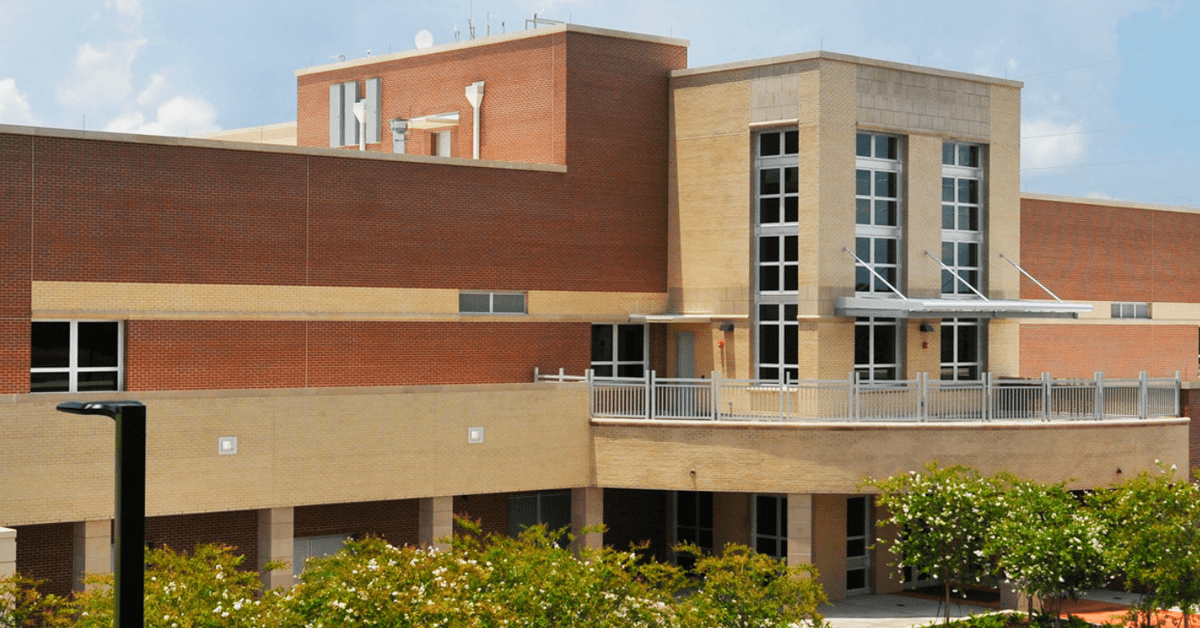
(921, 399)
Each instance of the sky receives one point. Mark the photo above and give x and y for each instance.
(1110, 108)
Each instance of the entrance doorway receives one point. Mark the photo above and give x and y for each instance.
(858, 541)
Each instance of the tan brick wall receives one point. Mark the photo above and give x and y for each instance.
(1002, 180)
(297, 447)
(835, 459)
(709, 223)
(829, 543)
(910, 101)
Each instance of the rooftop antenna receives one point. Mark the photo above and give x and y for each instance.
(457, 35)
(471, 27)
(424, 39)
(339, 57)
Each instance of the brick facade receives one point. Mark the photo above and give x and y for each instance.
(489, 509)
(46, 552)
(237, 529)
(1104, 252)
(1118, 350)
(635, 517)
(394, 521)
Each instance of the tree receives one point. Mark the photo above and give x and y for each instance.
(944, 515)
(1154, 537)
(741, 588)
(1047, 543)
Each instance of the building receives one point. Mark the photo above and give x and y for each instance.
(364, 333)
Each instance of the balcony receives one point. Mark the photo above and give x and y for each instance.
(919, 400)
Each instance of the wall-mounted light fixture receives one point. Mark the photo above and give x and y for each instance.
(726, 326)
(926, 327)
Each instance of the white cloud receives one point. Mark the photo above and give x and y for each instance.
(1047, 144)
(126, 8)
(103, 75)
(181, 115)
(14, 105)
(154, 92)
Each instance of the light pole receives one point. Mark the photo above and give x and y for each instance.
(130, 532)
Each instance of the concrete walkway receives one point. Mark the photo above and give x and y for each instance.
(890, 611)
(902, 611)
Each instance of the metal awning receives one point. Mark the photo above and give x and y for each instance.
(694, 317)
(956, 308)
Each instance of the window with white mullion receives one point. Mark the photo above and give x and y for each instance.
(75, 356)
(619, 350)
(962, 217)
(770, 525)
(961, 349)
(777, 253)
(876, 349)
(877, 216)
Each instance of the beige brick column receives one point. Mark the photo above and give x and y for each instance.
(276, 541)
(92, 551)
(8, 552)
(436, 522)
(587, 509)
(799, 528)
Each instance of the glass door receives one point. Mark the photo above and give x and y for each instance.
(858, 541)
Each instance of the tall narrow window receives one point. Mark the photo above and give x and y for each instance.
(693, 522)
(962, 218)
(877, 215)
(770, 525)
(777, 251)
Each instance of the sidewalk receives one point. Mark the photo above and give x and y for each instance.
(903, 611)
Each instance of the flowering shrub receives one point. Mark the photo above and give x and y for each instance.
(1154, 538)
(944, 515)
(482, 582)
(1047, 543)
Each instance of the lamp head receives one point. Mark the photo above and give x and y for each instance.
(109, 409)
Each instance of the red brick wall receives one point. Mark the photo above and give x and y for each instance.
(1117, 350)
(392, 354)
(1189, 404)
(489, 509)
(15, 190)
(191, 355)
(47, 552)
(182, 533)
(521, 118)
(395, 521)
(114, 211)
(1104, 253)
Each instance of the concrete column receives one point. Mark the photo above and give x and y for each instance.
(436, 522)
(8, 552)
(92, 551)
(799, 528)
(587, 509)
(276, 541)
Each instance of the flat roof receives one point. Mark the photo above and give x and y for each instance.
(1110, 202)
(316, 151)
(837, 56)
(493, 39)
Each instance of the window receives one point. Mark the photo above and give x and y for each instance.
(876, 342)
(777, 249)
(75, 356)
(962, 223)
(693, 522)
(1131, 310)
(491, 303)
(877, 214)
(960, 349)
(552, 508)
(306, 547)
(619, 350)
(770, 525)
(778, 342)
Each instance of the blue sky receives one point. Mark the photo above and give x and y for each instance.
(1111, 106)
